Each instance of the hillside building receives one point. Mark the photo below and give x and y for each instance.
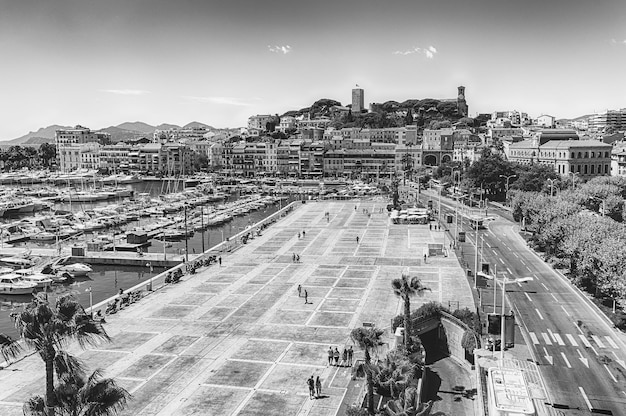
(358, 100)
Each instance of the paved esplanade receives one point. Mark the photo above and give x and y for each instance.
(237, 339)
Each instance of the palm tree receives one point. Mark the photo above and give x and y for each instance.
(405, 287)
(77, 395)
(408, 405)
(368, 339)
(48, 330)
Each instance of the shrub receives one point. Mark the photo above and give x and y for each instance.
(469, 318)
(356, 411)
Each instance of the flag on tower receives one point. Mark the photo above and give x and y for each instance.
(357, 85)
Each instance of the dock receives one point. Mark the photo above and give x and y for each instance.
(237, 339)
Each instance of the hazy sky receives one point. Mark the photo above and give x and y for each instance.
(100, 63)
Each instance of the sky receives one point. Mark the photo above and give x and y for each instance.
(101, 63)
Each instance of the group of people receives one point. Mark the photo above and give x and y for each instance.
(315, 387)
(436, 226)
(303, 293)
(342, 359)
(327, 215)
(303, 234)
(295, 258)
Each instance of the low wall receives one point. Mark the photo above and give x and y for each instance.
(454, 330)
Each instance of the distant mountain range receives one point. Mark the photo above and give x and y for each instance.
(121, 132)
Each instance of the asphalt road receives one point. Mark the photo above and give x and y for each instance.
(581, 358)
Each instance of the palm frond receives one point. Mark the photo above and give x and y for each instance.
(102, 397)
(35, 406)
(68, 367)
(9, 348)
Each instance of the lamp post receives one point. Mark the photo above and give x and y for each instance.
(573, 176)
(90, 301)
(502, 320)
(456, 217)
(186, 237)
(202, 225)
(506, 194)
(476, 256)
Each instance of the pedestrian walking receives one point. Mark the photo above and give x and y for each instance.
(293, 258)
(344, 357)
(318, 386)
(297, 258)
(311, 383)
(303, 233)
(357, 239)
(330, 355)
(306, 297)
(430, 226)
(355, 207)
(298, 236)
(336, 356)
(299, 290)
(424, 257)
(220, 260)
(350, 355)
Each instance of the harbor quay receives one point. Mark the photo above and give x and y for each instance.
(238, 338)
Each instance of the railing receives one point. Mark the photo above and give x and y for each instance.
(232, 243)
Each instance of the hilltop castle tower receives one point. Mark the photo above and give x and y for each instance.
(461, 104)
(358, 98)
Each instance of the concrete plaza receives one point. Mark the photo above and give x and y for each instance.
(238, 340)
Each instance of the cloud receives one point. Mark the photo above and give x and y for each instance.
(279, 49)
(429, 52)
(244, 102)
(126, 92)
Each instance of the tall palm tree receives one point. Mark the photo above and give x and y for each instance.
(77, 395)
(48, 329)
(404, 288)
(369, 339)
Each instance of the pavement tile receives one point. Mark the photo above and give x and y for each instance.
(238, 374)
(261, 350)
(129, 341)
(273, 404)
(212, 400)
(172, 312)
(146, 366)
(306, 354)
(176, 344)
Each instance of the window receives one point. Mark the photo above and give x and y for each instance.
(586, 169)
(593, 168)
(593, 154)
(579, 155)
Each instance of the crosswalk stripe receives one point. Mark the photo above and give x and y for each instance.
(533, 337)
(584, 340)
(558, 338)
(610, 341)
(598, 341)
(572, 340)
(546, 338)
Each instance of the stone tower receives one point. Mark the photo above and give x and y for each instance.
(357, 100)
(461, 104)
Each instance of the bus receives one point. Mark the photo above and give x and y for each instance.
(477, 222)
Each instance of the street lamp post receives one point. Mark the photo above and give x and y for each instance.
(506, 194)
(202, 225)
(186, 237)
(90, 301)
(573, 176)
(476, 256)
(502, 320)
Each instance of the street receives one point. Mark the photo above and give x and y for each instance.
(580, 356)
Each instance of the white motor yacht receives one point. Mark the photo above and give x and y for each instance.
(40, 279)
(61, 267)
(13, 284)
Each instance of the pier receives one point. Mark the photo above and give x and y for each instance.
(236, 339)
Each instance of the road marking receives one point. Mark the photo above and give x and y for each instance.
(617, 359)
(551, 335)
(610, 341)
(546, 338)
(558, 338)
(533, 338)
(611, 374)
(584, 340)
(539, 313)
(516, 255)
(598, 341)
(522, 261)
(528, 296)
(554, 297)
(544, 285)
(548, 357)
(572, 340)
(582, 392)
(509, 270)
(582, 359)
(565, 310)
(528, 268)
(566, 360)
(501, 261)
